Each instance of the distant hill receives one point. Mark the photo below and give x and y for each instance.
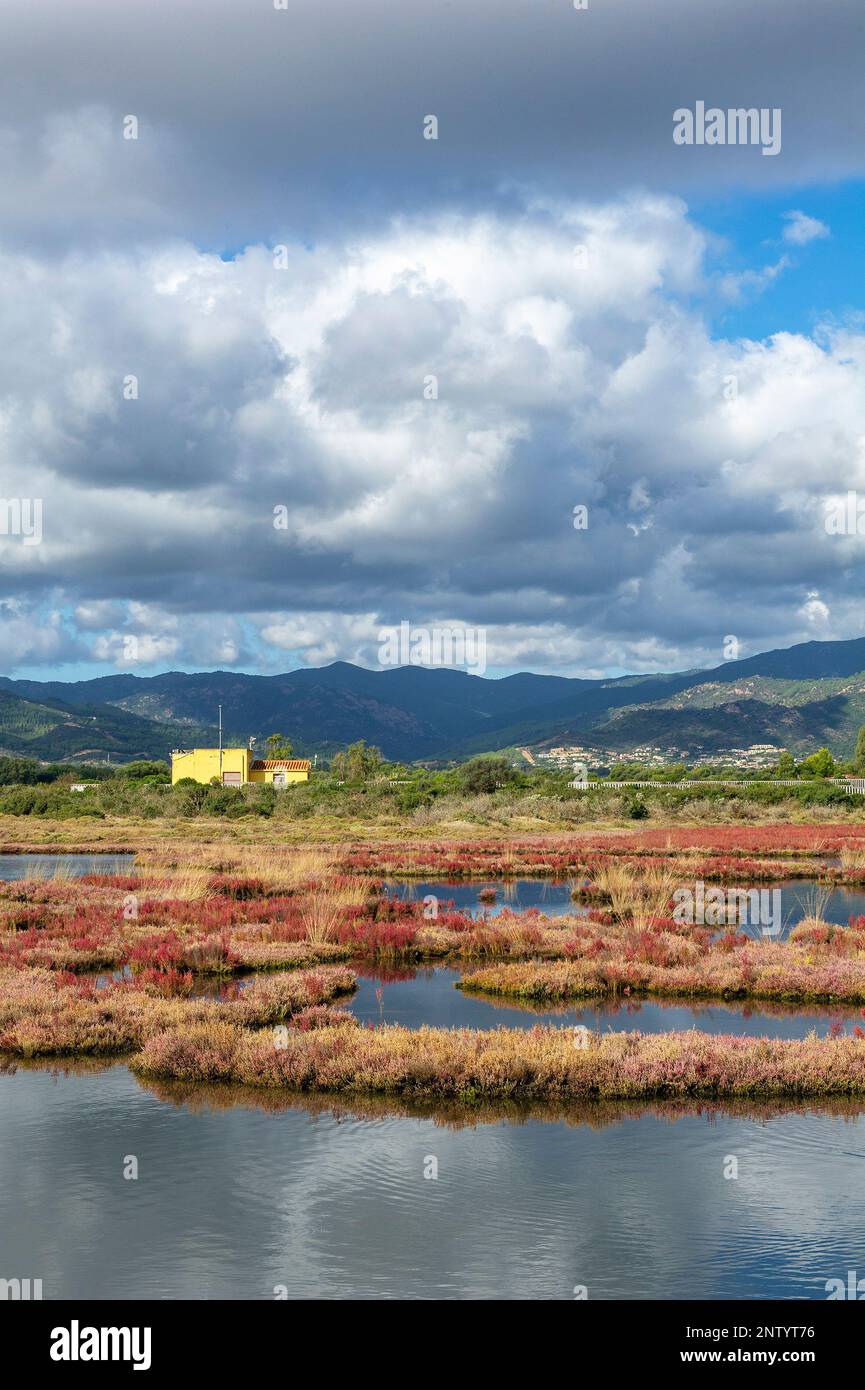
(409, 712)
(54, 731)
(798, 698)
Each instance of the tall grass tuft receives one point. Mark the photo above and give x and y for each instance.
(285, 871)
(815, 903)
(323, 906)
(192, 885)
(638, 896)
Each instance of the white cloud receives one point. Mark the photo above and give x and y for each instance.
(30, 635)
(815, 611)
(128, 650)
(319, 638)
(801, 228)
(304, 389)
(737, 286)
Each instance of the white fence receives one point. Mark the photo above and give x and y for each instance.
(855, 786)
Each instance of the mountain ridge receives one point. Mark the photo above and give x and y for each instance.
(415, 712)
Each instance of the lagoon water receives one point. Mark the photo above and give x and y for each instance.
(428, 996)
(232, 1201)
(553, 899)
(15, 866)
(239, 1195)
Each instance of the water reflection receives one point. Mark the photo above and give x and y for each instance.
(17, 866)
(798, 898)
(241, 1192)
(428, 995)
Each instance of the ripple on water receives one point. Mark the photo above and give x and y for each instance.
(233, 1200)
(430, 998)
(16, 866)
(798, 897)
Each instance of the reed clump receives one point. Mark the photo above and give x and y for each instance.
(541, 1064)
(324, 905)
(638, 895)
(45, 1014)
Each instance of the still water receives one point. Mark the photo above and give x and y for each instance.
(798, 897)
(15, 866)
(232, 1201)
(239, 1195)
(429, 995)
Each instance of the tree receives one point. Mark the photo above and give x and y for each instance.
(278, 746)
(820, 764)
(18, 771)
(786, 765)
(357, 763)
(627, 772)
(145, 770)
(486, 774)
(859, 755)
(675, 772)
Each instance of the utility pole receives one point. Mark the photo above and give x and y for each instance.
(220, 745)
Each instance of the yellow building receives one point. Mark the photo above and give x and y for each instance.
(280, 771)
(235, 767)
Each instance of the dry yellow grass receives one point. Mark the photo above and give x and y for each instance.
(815, 905)
(638, 895)
(38, 873)
(284, 870)
(323, 907)
(189, 884)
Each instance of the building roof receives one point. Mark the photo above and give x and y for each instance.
(281, 765)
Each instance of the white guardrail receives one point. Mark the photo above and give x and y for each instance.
(855, 786)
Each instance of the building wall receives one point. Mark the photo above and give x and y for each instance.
(202, 764)
(267, 774)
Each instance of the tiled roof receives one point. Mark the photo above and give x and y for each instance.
(281, 765)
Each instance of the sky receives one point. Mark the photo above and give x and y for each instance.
(280, 372)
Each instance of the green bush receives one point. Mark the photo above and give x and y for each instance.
(57, 802)
(155, 772)
(486, 774)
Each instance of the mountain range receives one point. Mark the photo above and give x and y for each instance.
(798, 698)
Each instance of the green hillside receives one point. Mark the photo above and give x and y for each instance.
(54, 731)
(799, 697)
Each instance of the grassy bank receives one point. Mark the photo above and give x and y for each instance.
(440, 806)
(43, 1015)
(543, 1064)
(461, 850)
(755, 971)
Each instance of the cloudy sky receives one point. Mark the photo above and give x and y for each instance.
(281, 372)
